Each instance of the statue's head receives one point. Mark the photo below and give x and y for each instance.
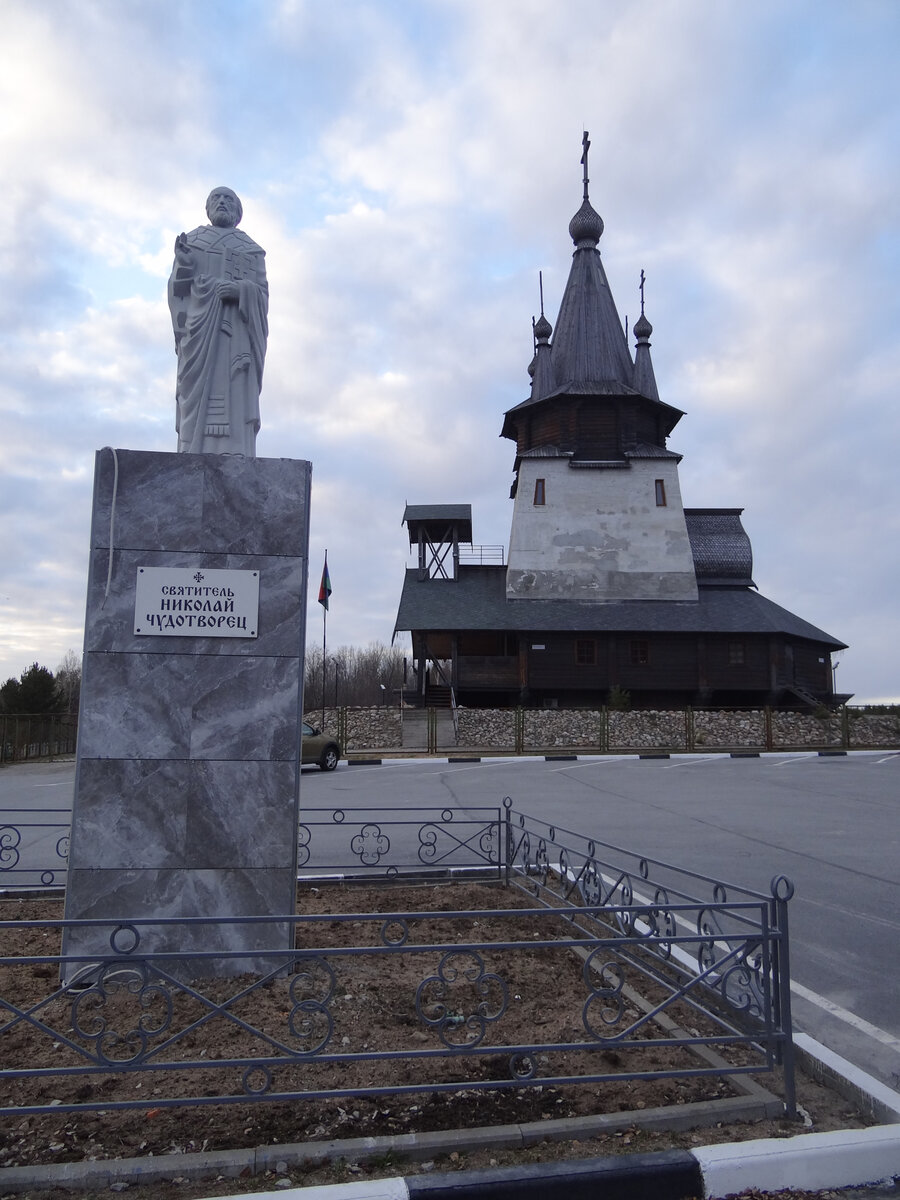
(224, 208)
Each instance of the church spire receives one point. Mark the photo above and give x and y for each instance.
(644, 378)
(590, 352)
(541, 369)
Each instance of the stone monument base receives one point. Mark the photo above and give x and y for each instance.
(187, 783)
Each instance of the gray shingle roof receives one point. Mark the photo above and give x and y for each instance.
(720, 546)
(434, 519)
(477, 600)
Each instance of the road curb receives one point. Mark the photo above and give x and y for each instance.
(811, 1162)
(808, 1162)
(872, 1097)
(664, 1175)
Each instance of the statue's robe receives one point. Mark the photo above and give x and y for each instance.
(221, 346)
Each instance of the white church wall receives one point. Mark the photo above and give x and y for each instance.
(600, 534)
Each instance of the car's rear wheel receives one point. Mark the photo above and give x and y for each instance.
(329, 759)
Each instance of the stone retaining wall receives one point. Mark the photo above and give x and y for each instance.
(563, 727)
(874, 730)
(376, 728)
(380, 728)
(648, 729)
(492, 728)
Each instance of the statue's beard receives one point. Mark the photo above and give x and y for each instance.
(222, 218)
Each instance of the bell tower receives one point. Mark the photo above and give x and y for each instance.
(597, 505)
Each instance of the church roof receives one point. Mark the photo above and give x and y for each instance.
(720, 546)
(588, 354)
(589, 351)
(435, 519)
(477, 600)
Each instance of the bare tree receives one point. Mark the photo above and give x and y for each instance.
(353, 675)
(68, 682)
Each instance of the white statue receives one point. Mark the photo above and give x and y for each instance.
(219, 300)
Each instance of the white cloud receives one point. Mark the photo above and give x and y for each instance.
(409, 169)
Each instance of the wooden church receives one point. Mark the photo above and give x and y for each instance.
(609, 584)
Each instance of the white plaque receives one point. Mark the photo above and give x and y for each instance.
(194, 602)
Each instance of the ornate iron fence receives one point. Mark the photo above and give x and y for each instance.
(594, 964)
(34, 848)
(720, 946)
(385, 842)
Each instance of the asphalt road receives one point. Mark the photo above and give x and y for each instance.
(830, 824)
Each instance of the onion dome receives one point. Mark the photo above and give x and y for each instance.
(586, 227)
(644, 376)
(642, 328)
(542, 329)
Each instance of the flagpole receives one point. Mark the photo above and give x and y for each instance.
(324, 641)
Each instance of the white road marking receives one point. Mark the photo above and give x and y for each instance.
(591, 762)
(693, 762)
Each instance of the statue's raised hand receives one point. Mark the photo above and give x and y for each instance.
(184, 256)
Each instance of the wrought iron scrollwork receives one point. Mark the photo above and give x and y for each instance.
(742, 985)
(10, 839)
(304, 837)
(310, 991)
(439, 842)
(661, 923)
(604, 1008)
(625, 888)
(590, 884)
(370, 845)
(461, 999)
(128, 995)
(732, 966)
(542, 861)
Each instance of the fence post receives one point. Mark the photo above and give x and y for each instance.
(689, 729)
(782, 890)
(431, 721)
(520, 730)
(768, 715)
(506, 834)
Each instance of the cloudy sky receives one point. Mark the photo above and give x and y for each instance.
(409, 167)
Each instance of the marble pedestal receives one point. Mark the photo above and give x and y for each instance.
(187, 785)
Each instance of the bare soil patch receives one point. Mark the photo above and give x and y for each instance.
(372, 1006)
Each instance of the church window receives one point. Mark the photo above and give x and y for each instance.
(735, 654)
(640, 652)
(585, 652)
(540, 492)
(660, 493)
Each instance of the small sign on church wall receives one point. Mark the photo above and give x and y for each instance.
(195, 602)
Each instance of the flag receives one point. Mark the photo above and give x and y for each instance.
(325, 586)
